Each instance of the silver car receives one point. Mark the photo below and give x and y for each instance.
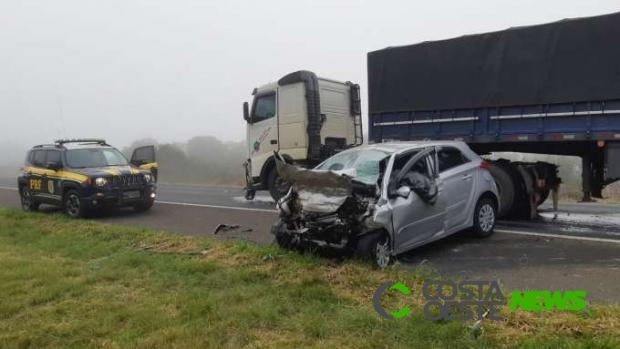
(384, 199)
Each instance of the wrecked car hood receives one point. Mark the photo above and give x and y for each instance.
(317, 190)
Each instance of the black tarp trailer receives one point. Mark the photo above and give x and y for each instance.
(547, 89)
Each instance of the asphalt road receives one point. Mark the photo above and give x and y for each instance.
(578, 250)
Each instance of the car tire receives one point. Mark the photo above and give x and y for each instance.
(485, 217)
(73, 206)
(283, 239)
(143, 206)
(376, 247)
(276, 185)
(28, 203)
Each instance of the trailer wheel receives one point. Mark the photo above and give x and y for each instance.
(505, 188)
(276, 185)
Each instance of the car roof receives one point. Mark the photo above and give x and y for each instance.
(399, 147)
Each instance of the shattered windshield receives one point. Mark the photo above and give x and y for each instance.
(364, 162)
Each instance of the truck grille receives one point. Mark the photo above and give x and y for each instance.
(127, 180)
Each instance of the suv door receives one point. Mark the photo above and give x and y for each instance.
(50, 182)
(34, 173)
(144, 158)
(416, 218)
(457, 173)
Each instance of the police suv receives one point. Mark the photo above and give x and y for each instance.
(84, 174)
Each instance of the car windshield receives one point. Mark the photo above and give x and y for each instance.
(365, 162)
(95, 157)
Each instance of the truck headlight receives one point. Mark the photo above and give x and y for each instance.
(100, 182)
(147, 178)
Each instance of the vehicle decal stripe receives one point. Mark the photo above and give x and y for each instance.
(61, 174)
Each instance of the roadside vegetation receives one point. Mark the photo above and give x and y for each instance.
(74, 284)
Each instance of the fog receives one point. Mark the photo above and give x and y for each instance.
(172, 70)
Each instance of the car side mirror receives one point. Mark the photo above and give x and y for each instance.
(404, 191)
(246, 112)
(54, 166)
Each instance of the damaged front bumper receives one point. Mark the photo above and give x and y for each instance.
(324, 208)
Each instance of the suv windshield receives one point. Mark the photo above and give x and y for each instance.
(365, 162)
(95, 157)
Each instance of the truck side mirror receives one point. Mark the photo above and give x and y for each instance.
(246, 112)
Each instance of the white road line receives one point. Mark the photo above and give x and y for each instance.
(503, 231)
(216, 206)
(557, 236)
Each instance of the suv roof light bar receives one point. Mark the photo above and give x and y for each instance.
(81, 140)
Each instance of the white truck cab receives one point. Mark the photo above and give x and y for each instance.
(305, 119)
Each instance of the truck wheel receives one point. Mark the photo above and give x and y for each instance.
(543, 197)
(505, 188)
(485, 216)
(276, 185)
(28, 203)
(376, 247)
(73, 206)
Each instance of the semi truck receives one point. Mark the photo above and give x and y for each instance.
(305, 118)
(545, 89)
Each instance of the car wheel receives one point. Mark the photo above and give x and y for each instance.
(73, 206)
(376, 247)
(283, 239)
(485, 216)
(143, 206)
(28, 203)
(276, 185)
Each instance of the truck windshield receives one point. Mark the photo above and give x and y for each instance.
(95, 157)
(365, 162)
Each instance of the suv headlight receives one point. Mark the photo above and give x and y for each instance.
(147, 178)
(100, 182)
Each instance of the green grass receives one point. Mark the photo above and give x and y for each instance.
(75, 284)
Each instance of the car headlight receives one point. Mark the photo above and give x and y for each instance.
(147, 178)
(100, 182)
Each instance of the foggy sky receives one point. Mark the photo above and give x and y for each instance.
(171, 70)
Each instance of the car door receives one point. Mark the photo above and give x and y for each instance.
(457, 173)
(144, 157)
(414, 218)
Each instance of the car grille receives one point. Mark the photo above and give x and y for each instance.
(127, 180)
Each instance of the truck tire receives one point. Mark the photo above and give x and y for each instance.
(505, 187)
(543, 197)
(276, 186)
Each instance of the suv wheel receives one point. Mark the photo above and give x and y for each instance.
(485, 215)
(376, 247)
(73, 205)
(143, 206)
(28, 203)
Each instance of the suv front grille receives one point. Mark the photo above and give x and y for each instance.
(128, 180)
